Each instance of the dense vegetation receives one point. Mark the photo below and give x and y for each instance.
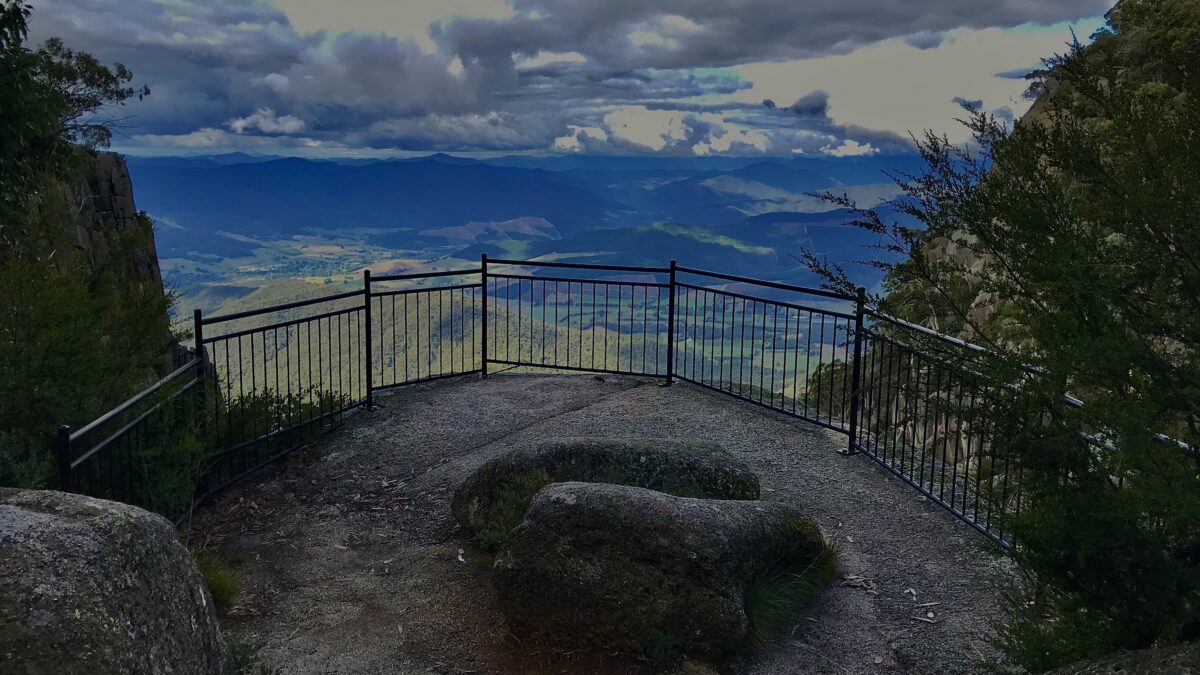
(75, 336)
(1069, 245)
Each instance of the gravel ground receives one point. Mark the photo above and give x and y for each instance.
(351, 562)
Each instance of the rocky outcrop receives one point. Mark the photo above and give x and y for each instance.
(493, 499)
(104, 223)
(101, 211)
(90, 586)
(635, 570)
(1177, 660)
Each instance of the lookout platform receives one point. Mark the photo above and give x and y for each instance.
(351, 561)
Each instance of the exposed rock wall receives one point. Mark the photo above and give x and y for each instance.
(102, 210)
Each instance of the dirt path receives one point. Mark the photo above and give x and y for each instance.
(352, 563)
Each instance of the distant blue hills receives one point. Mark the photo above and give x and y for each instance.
(738, 214)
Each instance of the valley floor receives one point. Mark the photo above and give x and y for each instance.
(352, 563)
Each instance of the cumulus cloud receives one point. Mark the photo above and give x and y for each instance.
(666, 76)
(850, 148)
(266, 121)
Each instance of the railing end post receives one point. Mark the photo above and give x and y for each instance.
(367, 340)
(671, 325)
(63, 449)
(483, 342)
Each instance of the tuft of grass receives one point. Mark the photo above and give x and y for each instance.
(244, 660)
(222, 585)
(509, 506)
(778, 595)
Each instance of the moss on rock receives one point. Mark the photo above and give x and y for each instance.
(493, 499)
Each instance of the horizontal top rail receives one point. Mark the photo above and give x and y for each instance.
(779, 303)
(137, 398)
(580, 266)
(132, 423)
(926, 331)
(209, 320)
(568, 280)
(769, 284)
(1070, 400)
(426, 275)
(213, 339)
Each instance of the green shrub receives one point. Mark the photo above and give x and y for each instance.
(509, 506)
(244, 660)
(779, 594)
(221, 582)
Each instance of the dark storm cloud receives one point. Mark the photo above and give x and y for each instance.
(698, 33)
(810, 105)
(223, 70)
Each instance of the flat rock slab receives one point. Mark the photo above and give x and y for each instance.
(637, 570)
(492, 499)
(92, 586)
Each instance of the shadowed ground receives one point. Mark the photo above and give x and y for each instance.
(352, 562)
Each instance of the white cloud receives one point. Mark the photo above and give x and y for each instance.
(266, 121)
(650, 128)
(545, 58)
(850, 148)
(209, 138)
(574, 141)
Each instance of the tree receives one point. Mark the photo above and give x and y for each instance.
(1070, 246)
(74, 337)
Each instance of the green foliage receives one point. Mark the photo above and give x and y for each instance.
(509, 506)
(777, 596)
(828, 389)
(221, 582)
(52, 98)
(244, 660)
(76, 337)
(1068, 243)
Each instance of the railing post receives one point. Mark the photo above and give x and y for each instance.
(856, 372)
(671, 326)
(202, 394)
(63, 448)
(198, 333)
(370, 361)
(483, 285)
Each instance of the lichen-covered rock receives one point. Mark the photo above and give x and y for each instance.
(636, 570)
(493, 499)
(91, 586)
(1177, 660)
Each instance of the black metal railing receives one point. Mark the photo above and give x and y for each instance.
(930, 419)
(613, 324)
(266, 381)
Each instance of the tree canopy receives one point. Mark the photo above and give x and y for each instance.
(1069, 244)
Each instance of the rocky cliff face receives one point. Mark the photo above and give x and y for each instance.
(103, 212)
(104, 223)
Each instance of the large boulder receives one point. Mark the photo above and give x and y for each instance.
(494, 498)
(640, 571)
(92, 586)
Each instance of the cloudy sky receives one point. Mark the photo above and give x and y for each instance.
(672, 77)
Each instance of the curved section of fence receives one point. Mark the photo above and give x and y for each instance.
(266, 381)
(574, 320)
(933, 422)
(784, 354)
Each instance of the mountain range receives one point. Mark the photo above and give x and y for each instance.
(735, 214)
